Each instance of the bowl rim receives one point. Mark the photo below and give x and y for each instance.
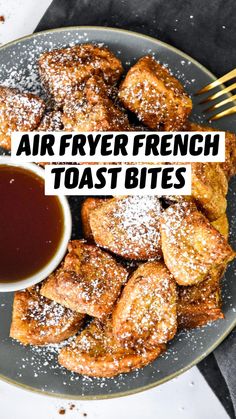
(62, 246)
(233, 324)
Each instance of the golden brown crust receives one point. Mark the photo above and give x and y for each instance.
(18, 112)
(63, 71)
(209, 189)
(222, 225)
(89, 281)
(201, 303)
(229, 166)
(199, 313)
(155, 96)
(97, 353)
(201, 291)
(146, 311)
(93, 110)
(131, 226)
(39, 321)
(191, 246)
(89, 205)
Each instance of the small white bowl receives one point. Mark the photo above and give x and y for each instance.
(56, 259)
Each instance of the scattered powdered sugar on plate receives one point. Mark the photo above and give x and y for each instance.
(23, 74)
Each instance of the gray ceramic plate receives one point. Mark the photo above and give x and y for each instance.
(37, 369)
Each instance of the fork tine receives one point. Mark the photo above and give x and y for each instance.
(217, 82)
(222, 103)
(227, 112)
(218, 94)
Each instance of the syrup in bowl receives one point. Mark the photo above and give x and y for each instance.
(34, 228)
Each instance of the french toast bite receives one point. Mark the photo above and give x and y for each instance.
(146, 311)
(128, 226)
(201, 291)
(89, 205)
(201, 303)
(192, 315)
(229, 165)
(89, 281)
(97, 353)
(222, 225)
(18, 112)
(155, 96)
(93, 110)
(209, 189)
(191, 246)
(63, 71)
(39, 321)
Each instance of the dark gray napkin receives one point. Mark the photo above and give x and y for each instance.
(206, 30)
(225, 356)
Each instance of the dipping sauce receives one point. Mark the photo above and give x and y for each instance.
(31, 224)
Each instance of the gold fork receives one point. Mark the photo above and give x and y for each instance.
(231, 98)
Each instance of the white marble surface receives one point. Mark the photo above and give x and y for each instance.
(21, 17)
(186, 397)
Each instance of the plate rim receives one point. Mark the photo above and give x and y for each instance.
(111, 29)
(233, 324)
